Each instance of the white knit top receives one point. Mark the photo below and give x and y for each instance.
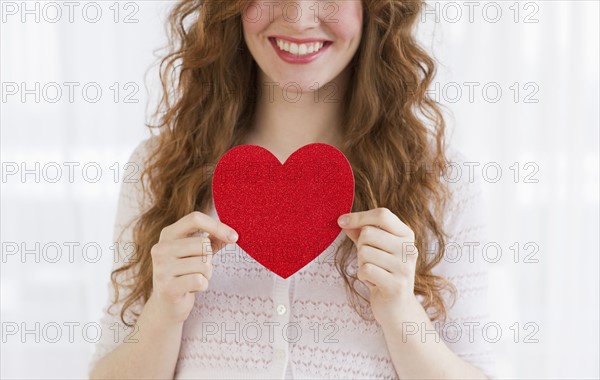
(252, 324)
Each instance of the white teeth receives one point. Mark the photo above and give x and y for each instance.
(299, 49)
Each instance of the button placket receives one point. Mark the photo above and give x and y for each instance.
(281, 316)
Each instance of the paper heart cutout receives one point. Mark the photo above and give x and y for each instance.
(285, 214)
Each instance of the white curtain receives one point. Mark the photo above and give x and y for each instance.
(519, 80)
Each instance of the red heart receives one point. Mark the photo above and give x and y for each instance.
(285, 214)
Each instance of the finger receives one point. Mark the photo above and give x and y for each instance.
(378, 238)
(197, 221)
(188, 247)
(189, 265)
(217, 244)
(375, 275)
(352, 233)
(381, 217)
(377, 257)
(189, 283)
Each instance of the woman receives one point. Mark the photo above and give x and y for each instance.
(283, 74)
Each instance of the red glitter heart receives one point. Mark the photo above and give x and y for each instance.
(285, 214)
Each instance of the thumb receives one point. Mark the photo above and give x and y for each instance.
(215, 243)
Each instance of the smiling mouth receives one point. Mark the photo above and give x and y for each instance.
(299, 49)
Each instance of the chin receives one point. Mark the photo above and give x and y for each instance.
(293, 85)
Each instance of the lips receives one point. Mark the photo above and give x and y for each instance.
(273, 40)
(299, 59)
(300, 41)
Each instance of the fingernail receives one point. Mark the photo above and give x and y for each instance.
(233, 236)
(343, 220)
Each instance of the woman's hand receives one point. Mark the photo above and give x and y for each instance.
(387, 258)
(182, 264)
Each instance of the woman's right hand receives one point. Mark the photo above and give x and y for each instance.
(182, 264)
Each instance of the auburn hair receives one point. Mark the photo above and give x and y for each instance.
(394, 133)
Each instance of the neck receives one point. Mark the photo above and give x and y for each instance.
(286, 120)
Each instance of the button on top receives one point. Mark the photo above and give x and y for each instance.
(279, 354)
(281, 309)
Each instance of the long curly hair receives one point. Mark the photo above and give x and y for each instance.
(394, 133)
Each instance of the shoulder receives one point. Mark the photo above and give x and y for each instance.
(133, 196)
(465, 218)
(463, 180)
(132, 182)
(463, 171)
(143, 151)
(137, 161)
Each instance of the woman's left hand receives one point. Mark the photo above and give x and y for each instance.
(387, 258)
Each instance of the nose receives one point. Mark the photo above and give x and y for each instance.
(300, 15)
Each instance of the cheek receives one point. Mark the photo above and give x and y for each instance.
(255, 18)
(346, 20)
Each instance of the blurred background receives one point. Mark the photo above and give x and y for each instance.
(520, 83)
